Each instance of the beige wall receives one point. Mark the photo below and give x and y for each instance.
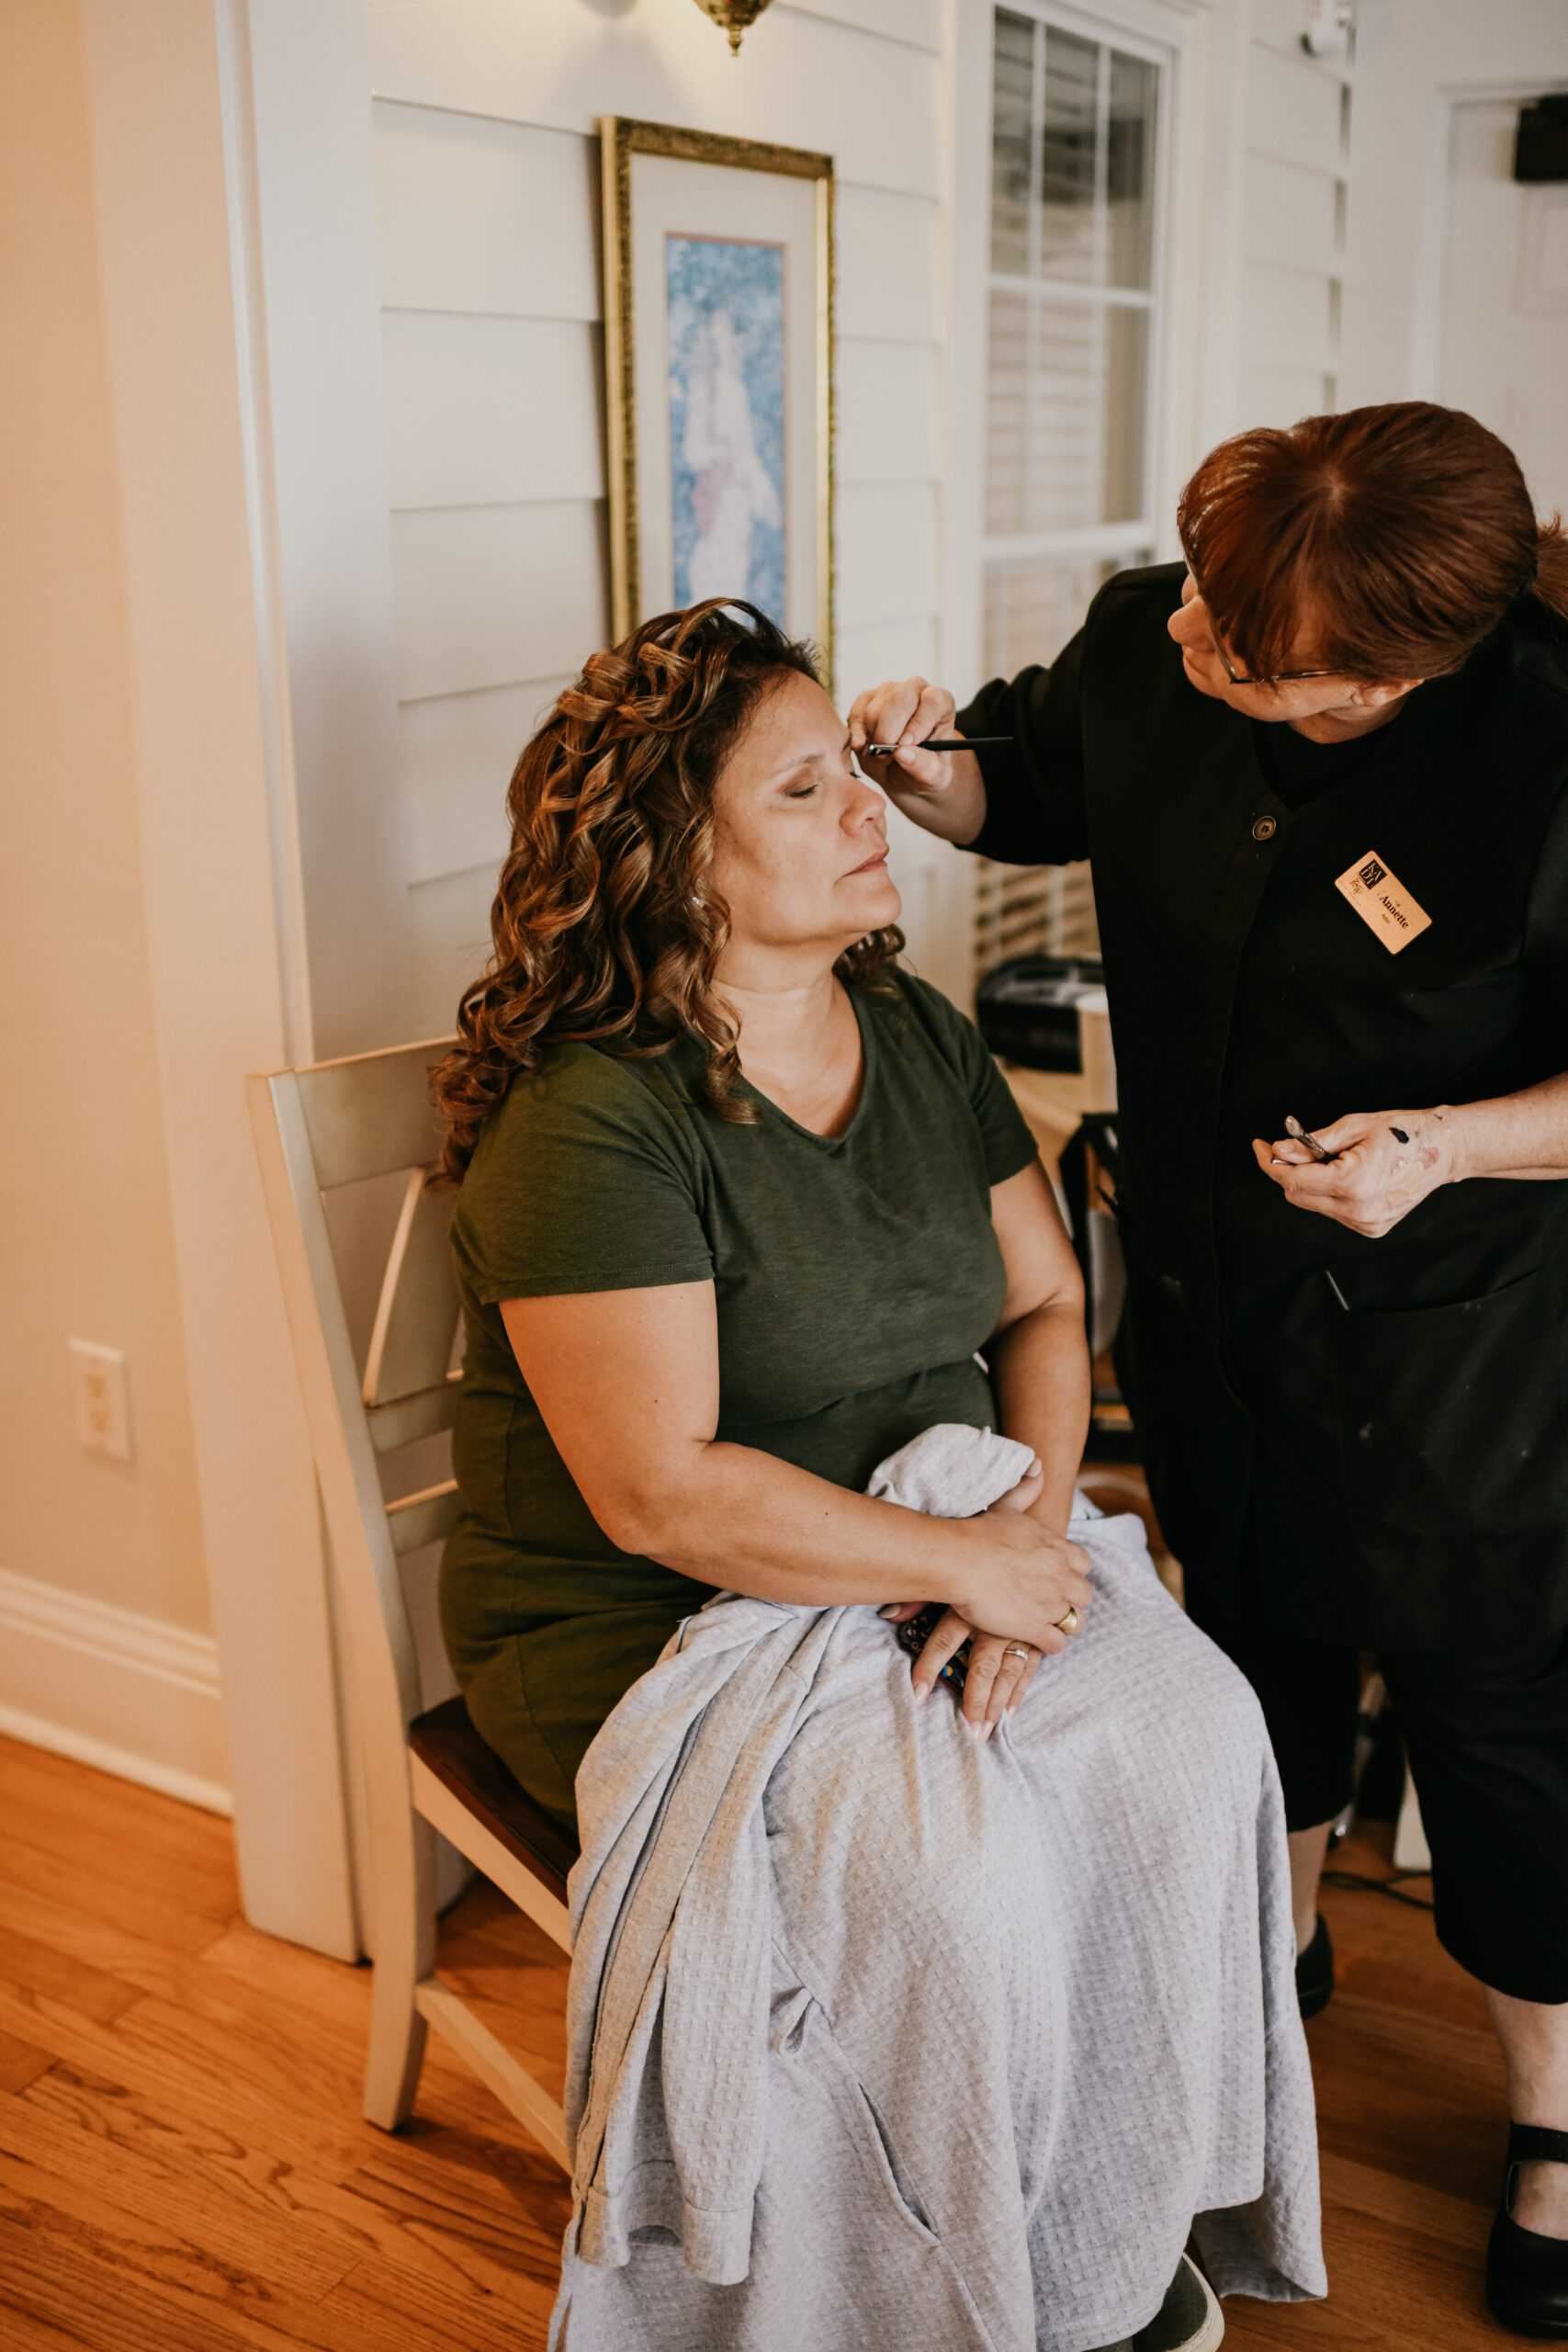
(86, 1247)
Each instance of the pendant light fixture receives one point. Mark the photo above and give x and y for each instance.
(733, 17)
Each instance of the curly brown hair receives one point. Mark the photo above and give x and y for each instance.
(601, 926)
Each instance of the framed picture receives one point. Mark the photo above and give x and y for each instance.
(719, 308)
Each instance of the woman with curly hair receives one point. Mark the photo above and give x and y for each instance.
(745, 1208)
(728, 1247)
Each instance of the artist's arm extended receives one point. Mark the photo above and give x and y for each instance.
(1385, 1162)
(628, 1384)
(1039, 1359)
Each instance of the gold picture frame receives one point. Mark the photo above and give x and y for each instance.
(645, 536)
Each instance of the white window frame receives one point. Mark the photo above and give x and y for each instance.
(1194, 264)
(1019, 550)
(1197, 258)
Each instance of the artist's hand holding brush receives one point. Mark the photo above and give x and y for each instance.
(1368, 1171)
(1372, 1168)
(941, 791)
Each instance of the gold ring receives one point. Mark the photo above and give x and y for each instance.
(1070, 1622)
(1015, 1649)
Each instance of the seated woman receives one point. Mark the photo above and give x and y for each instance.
(744, 1209)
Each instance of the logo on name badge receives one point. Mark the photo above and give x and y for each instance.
(1382, 902)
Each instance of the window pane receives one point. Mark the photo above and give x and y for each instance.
(1033, 910)
(1005, 427)
(1063, 417)
(1032, 611)
(1130, 169)
(1067, 154)
(1012, 96)
(1126, 405)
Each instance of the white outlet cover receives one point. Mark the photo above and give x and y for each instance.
(100, 1399)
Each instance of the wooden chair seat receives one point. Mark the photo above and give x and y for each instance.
(445, 1740)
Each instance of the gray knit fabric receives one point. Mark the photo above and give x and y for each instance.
(951, 1471)
(884, 2041)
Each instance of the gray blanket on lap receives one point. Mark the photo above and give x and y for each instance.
(881, 2038)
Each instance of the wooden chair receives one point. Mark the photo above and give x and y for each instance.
(340, 1123)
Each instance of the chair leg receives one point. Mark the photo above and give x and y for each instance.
(403, 1950)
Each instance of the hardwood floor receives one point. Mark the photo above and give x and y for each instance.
(182, 2159)
(183, 2166)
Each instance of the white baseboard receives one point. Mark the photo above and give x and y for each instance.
(123, 1692)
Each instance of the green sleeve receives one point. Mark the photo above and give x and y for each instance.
(585, 1179)
(1005, 1135)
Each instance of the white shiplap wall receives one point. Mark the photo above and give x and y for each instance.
(488, 224)
(1297, 119)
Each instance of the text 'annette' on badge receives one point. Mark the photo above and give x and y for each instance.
(1382, 902)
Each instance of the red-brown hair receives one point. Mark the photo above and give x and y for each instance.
(1384, 543)
(606, 926)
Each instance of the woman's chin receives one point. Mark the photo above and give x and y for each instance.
(877, 900)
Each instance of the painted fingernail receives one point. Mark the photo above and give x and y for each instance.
(976, 1731)
(888, 1608)
(985, 1731)
(922, 1693)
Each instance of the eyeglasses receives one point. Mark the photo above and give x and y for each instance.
(1284, 677)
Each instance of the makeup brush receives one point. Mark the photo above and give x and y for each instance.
(940, 744)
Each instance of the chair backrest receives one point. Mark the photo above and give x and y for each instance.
(333, 1123)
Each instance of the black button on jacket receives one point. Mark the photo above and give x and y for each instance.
(1370, 1433)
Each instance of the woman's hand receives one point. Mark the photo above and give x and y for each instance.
(1000, 1667)
(942, 791)
(1385, 1162)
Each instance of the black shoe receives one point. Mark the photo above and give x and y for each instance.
(1526, 2275)
(1315, 1972)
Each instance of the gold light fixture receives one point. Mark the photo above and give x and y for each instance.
(733, 17)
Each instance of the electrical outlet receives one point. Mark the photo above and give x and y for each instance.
(103, 1411)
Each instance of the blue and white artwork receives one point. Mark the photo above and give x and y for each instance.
(725, 309)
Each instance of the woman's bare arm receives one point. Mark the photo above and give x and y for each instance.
(1040, 1355)
(628, 1383)
(1040, 1370)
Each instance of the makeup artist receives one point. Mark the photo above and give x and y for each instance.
(1321, 772)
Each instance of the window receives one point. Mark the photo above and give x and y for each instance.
(1076, 137)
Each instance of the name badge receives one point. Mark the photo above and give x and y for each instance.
(1382, 902)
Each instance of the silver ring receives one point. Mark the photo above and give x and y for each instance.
(1015, 1649)
(1070, 1622)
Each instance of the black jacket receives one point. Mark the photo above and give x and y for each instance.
(1392, 1470)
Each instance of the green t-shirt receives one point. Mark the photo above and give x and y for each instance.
(855, 1276)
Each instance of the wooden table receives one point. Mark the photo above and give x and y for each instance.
(1053, 1102)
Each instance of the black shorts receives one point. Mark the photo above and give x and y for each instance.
(1486, 1732)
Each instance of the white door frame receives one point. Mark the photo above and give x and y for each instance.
(1427, 325)
(231, 150)
(218, 889)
